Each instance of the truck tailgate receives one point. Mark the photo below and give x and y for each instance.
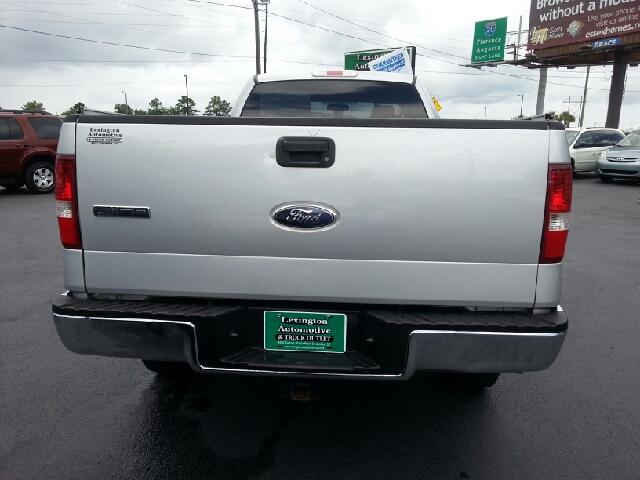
(442, 216)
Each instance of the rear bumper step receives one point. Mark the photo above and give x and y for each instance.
(391, 343)
(258, 358)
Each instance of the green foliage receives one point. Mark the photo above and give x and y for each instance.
(565, 117)
(123, 108)
(217, 107)
(33, 105)
(156, 108)
(140, 112)
(71, 110)
(185, 106)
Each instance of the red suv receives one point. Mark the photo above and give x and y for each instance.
(28, 143)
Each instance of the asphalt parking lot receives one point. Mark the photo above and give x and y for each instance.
(76, 417)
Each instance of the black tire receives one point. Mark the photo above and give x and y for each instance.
(469, 382)
(606, 179)
(39, 177)
(168, 369)
(573, 167)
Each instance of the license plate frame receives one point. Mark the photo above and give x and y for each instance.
(296, 331)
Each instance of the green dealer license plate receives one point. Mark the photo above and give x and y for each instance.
(305, 332)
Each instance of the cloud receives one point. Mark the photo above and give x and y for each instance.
(217, 41)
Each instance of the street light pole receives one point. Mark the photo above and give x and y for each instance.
(521, 103)
(187, 87)
(126, 103)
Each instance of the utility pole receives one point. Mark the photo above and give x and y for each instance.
(584, 98)
(126, 103)
(569, 102)
(515, 53)
(542, 90)
(187, 87)
(257, 28)
(266, 19)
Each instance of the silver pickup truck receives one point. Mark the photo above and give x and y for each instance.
(333, 226)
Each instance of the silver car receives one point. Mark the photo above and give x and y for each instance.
(621, 161)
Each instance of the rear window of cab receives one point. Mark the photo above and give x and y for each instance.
(334, 99)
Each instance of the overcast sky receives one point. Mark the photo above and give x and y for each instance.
(116, 46)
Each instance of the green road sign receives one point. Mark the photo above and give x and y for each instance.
(360, 60)
(489, 40)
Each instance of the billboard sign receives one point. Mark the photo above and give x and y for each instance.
(360, 60)
(489, 40)
(554, 23)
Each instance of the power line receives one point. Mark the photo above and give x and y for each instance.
(162, 13)
(91, 85)
(374, 31)
(138, 47)
(242, 7)
(426, 48)
(156, 49)
(277, 15)
(247, 58)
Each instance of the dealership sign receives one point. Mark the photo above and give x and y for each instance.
(489, 40)
(562, 22)
(361, 60)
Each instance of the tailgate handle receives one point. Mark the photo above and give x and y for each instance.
(309, 152)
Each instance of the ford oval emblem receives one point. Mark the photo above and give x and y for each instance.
(304, 216)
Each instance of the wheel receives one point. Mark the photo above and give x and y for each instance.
(39, 177)
(606, 179)
(469, 381)
(168, 369)
(573, 167)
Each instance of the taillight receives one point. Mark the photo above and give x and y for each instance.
(67, 202)
(556, 214)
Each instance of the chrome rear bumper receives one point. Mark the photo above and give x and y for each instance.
(431, 350)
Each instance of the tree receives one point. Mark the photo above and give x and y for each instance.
(33, 105)
(75, 109)
(156, 108)
(565, 117)
(123, 108)
(186, 106)
(217, 107)
(140, 112)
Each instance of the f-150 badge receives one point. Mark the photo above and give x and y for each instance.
(304, 216)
